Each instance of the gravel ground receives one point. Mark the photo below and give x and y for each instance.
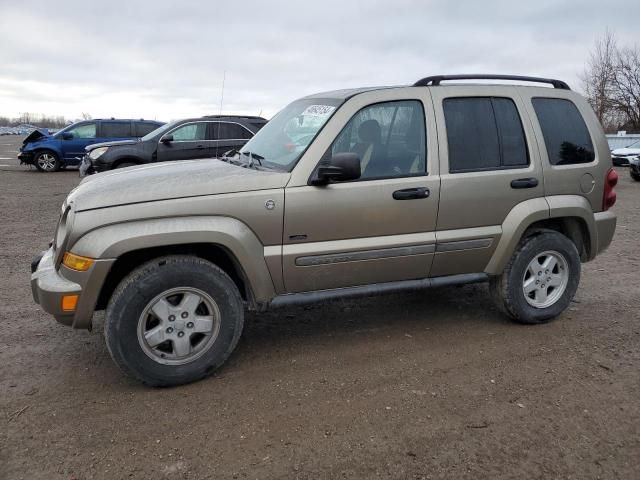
(431, 385)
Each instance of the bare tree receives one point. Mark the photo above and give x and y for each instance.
(598, 77)
(86, 116)
(625, 96)
(611, 82)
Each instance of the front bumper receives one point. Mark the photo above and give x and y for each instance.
(49, 285)
(25, 158)
(605, 228)
(86, 167)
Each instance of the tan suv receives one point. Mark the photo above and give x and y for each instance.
(344, 193)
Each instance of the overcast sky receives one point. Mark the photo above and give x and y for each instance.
(165, 59)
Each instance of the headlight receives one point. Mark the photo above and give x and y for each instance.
(97, 152)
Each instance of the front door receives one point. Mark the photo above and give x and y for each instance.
(189, 141)
(379, 228)
(84, 135)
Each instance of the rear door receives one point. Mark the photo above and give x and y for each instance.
(489, 163)
(228, 136)
(189, 142)
(84, 134)
(379, 228)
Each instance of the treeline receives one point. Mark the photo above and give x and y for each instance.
(611, 82)
(37, 120)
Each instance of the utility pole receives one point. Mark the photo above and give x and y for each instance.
(224, 75)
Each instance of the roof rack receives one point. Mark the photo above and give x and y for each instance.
(436, 79)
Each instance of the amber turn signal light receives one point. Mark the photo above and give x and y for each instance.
(69, 302)
(76, 262)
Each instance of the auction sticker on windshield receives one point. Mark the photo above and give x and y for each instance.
(318, 110)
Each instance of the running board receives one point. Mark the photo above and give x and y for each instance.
(292, 299)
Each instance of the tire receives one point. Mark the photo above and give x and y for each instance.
(126, 164)
(635, 176)
(508, 289)
(47, 161)
(132, 328)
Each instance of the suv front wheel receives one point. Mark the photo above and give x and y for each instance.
(173, 320)
(540, 280)
(47, 161)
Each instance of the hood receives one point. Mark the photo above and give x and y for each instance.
(626, 151)
(35, 135)
(111, 144)
(169, 180)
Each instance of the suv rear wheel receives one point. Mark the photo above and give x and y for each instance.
(173, 320)
(47, 161)
(635, 176)
(540, 280)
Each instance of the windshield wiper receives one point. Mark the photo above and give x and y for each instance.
(253, 156)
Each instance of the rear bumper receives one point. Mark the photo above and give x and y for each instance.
(605, 228)
(49, 285)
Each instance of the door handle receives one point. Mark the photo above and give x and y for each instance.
(200, 147)
(411, 193)
(524, 183)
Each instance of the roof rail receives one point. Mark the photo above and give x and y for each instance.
(251, 117)
(436, 79)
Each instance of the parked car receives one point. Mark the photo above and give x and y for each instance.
(49, 153)
(621, 156)
(344, 193)
(192, 138)
(634, 168)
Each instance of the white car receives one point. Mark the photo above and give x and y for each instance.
(621, 156)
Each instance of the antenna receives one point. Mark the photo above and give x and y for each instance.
(224, 76)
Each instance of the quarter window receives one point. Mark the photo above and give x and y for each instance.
(565, 134)
(116, 129)
(388, 137)
(190, 132)
(88, 130)
(484, 134)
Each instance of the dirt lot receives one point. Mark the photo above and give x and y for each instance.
(425, 385)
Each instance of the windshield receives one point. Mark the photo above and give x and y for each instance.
(282, 141)
(637, 142)
(159, 130)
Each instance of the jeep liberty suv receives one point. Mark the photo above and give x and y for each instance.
(345, 193)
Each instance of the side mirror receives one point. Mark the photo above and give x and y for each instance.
(167, 139)
(342, 167)
(67, 135)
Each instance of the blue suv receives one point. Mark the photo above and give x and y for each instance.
(49, 153)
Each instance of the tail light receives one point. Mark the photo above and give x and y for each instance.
(609, 196)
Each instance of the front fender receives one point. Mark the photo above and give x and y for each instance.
(112, 241)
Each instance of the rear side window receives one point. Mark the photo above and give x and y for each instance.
(230, 131)
(142, 128)
(116, 129)
(565, 134)
(484, 134)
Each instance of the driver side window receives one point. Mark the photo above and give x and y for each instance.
(88, 130)
(388, 137)
(190, 132)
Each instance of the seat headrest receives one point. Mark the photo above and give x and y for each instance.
(369, 131)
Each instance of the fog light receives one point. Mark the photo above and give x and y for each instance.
(76, 262)
(69, 302)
